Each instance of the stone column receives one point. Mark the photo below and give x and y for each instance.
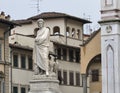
(84, 77)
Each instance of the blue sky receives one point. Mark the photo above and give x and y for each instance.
(21, 9)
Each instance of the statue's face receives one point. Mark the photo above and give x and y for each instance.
(40, 24)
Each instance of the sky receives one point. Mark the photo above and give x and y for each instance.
(22, 9)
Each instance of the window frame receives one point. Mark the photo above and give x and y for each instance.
(71, 55)
(17, 89)
(77, 75)
(59, 54)
(59, 74)
(95, 75)
(64, 51)
(65, 77)
(77, 56)
(22, 88)
(71, 78)
(29, 66)
(17, 61)
(23, 64)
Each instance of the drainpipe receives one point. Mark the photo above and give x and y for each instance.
(5, 33)
(11, 53)
(4, 62)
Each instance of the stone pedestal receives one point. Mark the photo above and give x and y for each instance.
(44, 84)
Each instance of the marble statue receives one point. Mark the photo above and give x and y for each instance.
(53, 64)
(41, 49)
(44, 79)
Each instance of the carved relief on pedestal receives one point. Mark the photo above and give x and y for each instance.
(109, 65)
(109, 29)
(110, 69)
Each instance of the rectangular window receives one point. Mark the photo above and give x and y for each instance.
(95, 75)
(64, 54)
(23, 90)
(59, 77)
(77, 79)
(0, 51)
(59, 53)
(15, 89)
(23, 61)
(77, 55)
(30, 63)
(15, 60)
(64, 77)
(71, 55)
(71, 76)
(1, 87)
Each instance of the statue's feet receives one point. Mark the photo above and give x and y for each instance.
(47, 73)
(42, 72)
(36, 71)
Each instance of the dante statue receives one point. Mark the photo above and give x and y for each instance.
(41, 49)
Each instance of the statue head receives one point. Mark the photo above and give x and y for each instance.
(40, 23)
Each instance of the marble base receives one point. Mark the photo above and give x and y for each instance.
(44, 84)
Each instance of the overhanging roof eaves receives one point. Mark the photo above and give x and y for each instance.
(9, 22)
(48, 15)
(23, 21)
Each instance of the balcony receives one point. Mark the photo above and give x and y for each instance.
(69, 41)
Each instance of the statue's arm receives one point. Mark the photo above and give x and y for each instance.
(41, 39)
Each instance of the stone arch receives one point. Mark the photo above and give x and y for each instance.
(73, 32)
(89, 51)
(78, 34)
(95, 59)
(94, 74)
(68, 31)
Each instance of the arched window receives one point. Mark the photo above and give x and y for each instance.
(68, 31)
(73, 32)
(78, 33)
(56, 30)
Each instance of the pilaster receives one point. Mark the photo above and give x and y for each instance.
(110, 45)
(84, 77)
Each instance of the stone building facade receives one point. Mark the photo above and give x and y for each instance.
(91, 63)
(5, 26)
(66, 37)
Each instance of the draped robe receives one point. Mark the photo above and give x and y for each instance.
(41, 48)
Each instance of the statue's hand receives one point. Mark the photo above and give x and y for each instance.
(36, 40)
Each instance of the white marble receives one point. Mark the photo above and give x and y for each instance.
(109, 2)
(44, 84)
(110, 48)
(41, 49)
